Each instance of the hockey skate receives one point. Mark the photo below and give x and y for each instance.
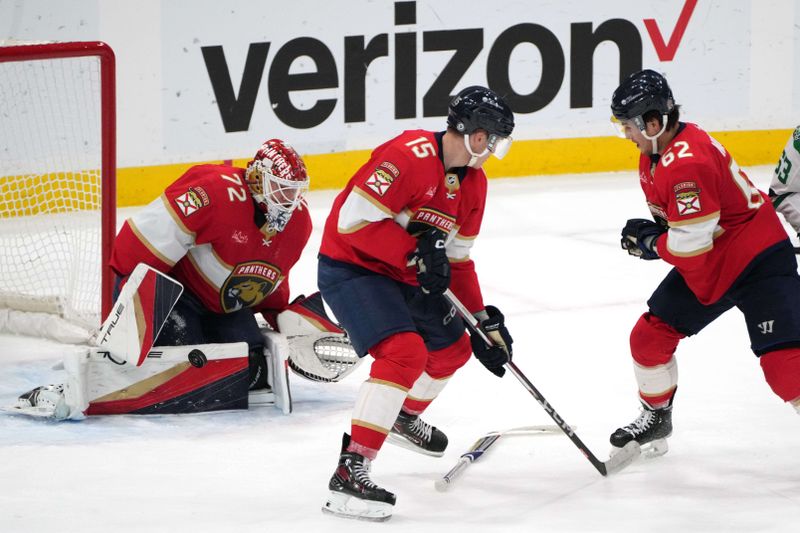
(650, 429)
(352, 492)
(47, 401)
(411, 432)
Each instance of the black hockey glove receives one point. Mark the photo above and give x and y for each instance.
(495, 356)
(639, 237)
(433, 267)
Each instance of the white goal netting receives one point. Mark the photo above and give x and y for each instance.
(51, 187)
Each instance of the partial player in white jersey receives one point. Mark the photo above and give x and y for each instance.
(784, 190)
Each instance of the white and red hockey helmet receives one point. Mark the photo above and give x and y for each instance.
(277, 179)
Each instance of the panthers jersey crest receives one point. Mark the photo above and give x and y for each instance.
(247, 285)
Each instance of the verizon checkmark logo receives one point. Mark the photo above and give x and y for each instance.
(666, 51)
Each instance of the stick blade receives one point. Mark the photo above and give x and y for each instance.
(623, 458)
(442, 484)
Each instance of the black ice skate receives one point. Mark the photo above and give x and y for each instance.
(413, 433)
(651, 428)
(353, 494)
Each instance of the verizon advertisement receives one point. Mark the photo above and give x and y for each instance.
(203, 79)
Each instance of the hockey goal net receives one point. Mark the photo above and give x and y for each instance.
(57, 183)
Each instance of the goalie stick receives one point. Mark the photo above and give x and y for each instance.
(481, 446)
(620, 460)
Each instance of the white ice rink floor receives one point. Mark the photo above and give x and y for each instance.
(549, 257)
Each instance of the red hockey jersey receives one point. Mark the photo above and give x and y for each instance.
(404, 185)
(206, 232)
(718, 221)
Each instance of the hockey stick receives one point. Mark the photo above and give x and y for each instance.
(480, 447)
(620, 460)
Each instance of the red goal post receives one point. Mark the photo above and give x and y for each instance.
(57, 178)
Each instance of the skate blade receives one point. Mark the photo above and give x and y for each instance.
(403, 442)
(346, 506)
(650, 450)
(620, 458)
(655, 448)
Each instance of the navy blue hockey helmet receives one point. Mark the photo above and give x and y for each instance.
(642, 91)
(477, 107)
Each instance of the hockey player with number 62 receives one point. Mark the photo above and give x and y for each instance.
(725, 242)
(397, 237)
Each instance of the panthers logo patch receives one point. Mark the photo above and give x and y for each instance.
(248, 285)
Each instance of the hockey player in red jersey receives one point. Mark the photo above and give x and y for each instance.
(230, 236)
(197, 263)
(397, 237)
(726, 244)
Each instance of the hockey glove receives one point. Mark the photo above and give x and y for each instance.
(492, 357)
(433, 267)
(639, 237)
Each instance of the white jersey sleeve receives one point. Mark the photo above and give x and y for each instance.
(785, 186)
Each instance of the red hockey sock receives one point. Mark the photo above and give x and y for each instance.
(399, 361)
(442, 364)
(782, 372)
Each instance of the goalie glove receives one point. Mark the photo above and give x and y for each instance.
(319, 349)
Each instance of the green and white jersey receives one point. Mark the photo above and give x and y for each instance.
(785, 186)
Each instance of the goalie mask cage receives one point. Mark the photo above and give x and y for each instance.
(57, 179)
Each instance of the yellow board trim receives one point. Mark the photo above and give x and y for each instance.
(140, 185)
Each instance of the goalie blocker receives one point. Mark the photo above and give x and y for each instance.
(124, 374)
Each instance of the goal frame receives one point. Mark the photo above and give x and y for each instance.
(108, 119)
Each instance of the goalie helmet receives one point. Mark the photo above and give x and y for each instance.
(277, 179)
(641, 92)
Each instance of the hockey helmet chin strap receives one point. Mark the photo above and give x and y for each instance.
(654, 139)
(619, 129)
(496, 145)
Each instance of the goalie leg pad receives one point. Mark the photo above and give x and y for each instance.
(139, 313)
(179, 379)
(276, 352)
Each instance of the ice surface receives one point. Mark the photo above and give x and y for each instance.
(549, 257)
